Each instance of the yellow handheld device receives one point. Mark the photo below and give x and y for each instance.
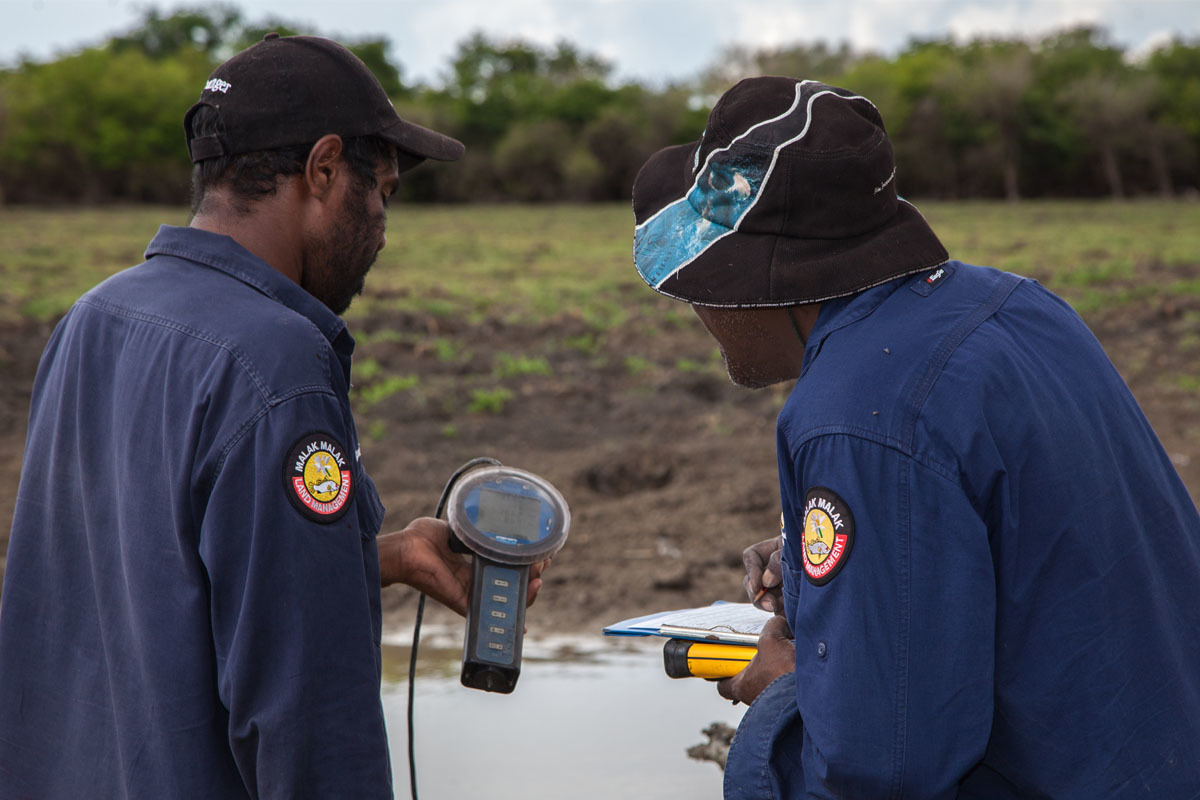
(683, 658)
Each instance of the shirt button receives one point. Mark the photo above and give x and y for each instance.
(821, 649)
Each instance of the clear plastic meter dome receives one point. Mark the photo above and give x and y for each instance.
(509, 515)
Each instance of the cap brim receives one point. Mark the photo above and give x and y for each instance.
(682, 255)
(423, 142)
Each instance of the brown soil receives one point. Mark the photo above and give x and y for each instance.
(669, 473)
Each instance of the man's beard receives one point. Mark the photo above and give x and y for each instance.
(337, 266)
(745, 376)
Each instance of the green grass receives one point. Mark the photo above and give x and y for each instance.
(636, 365)
(366, 370)
(586, 343)
(1075, 246)
(375, 393)
(447, 350)
(517, 263)
(510, 366)
(530, 264)
(51, 256)
(489, 401)
(1189, 383)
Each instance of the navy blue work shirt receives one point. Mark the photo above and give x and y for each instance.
(191, 601)
(991, 567)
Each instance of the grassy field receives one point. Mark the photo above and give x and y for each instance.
(525, 263)
(570, 267)
(525, 333)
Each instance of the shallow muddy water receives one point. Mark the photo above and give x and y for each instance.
(592, 717)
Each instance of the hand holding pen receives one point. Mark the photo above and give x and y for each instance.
(764, 574)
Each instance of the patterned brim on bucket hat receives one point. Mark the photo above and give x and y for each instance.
(789, 197)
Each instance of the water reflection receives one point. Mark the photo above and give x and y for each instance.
(590, 718)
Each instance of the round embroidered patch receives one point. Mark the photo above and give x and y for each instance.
(317, 479)
(828, 534)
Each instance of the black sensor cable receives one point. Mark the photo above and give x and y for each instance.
(412, 661)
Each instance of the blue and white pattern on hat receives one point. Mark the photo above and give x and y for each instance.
(726, 188)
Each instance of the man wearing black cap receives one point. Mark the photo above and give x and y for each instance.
(988, 561)
(191, 603)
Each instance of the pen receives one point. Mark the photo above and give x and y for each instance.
(758, 596)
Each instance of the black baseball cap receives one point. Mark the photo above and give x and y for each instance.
(789, 197)
(292, 90)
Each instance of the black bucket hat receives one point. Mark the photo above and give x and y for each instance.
(789, 197)
(292, 90)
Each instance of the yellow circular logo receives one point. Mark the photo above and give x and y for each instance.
(818, 536)
(322, 476)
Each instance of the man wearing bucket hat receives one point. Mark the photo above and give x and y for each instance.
(191, 604)
(987, 560)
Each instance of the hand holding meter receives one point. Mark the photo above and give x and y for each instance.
(509, 519)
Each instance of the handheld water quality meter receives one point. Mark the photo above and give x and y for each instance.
(509, 519)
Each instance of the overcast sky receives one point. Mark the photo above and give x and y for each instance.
(650, 40)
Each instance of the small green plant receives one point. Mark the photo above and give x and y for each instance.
(1189, 383)
(510, 366)
(385, 335)
(446, 349)
(366, 370)
(688, 365)
(489, 401)
(586, 343)
(376, 430)
(436, 306)
(393, 384)
(449, 430)
(635, 365)
(1184, 288)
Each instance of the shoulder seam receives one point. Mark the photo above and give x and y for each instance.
(253, 421)
(830, 431)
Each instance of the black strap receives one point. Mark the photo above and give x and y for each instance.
(205, 147)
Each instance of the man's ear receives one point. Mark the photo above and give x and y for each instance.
(324, 165)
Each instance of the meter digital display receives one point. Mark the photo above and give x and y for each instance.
(510, 520)
(509, 515)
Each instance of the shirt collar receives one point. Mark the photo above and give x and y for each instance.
(223, 253)
(843, 311)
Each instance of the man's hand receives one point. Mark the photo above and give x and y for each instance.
(776, 656)
(764, 573)
(420, 556)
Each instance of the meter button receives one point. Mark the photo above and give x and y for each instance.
(497, 642)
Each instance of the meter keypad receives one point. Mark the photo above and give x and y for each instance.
(497, 635)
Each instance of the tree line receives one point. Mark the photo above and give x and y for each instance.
(1068, 114)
